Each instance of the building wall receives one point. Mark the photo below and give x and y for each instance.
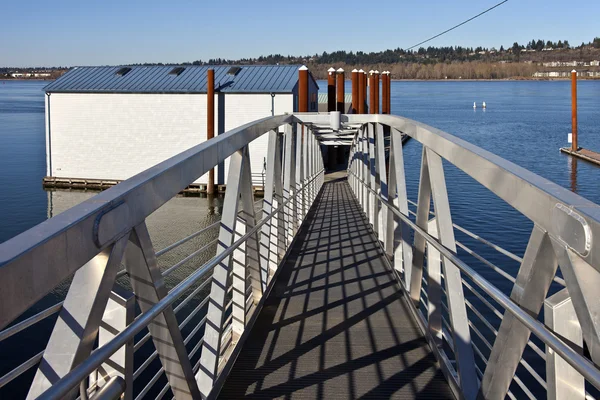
(115, 136)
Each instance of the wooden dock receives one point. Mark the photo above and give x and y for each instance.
(584, 154)
(335, 325)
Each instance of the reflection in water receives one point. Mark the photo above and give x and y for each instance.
(573, 173)
(176, 219)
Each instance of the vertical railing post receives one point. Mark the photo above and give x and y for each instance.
(211, 348)
(289, 182)
(414, 274)
(374, 203)
(86, 300)
(299, 174)
(119, 313)
(382, 186)
(365, 170)
(564, 382)
(268, 237)
(434, 287)
(529, 291)
(461, 333)
(397, 192)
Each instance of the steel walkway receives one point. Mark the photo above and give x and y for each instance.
(336, 324)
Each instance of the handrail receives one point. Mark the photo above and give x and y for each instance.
(102, 227)
(577, 361)
(54, 239)
(63, 386)
(564, 232)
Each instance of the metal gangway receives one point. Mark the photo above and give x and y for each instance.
(337, 287)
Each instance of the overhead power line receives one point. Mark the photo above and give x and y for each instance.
(456, 26)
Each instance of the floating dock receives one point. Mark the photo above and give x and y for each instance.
(584, 154)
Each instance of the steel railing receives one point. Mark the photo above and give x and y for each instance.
(198, 326)
(479, 333)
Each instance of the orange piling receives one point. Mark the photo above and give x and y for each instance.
(340, 91)
(574, 145)
(355, 100)
(376, 80)
(371, 92)
(331, 106)
(365, 82)
(210, 122)
(361, 91)
(303, 89)
(384, 93)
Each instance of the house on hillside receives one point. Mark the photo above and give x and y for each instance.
(110, 123)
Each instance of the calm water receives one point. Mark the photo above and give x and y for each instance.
(526, 123)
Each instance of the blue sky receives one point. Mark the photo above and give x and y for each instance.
(67, 32)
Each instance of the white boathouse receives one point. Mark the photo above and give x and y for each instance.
(107, 124)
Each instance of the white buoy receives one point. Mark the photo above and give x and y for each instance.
(484, 106)
(474, 105)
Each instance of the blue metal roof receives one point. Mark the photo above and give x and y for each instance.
(156, 79)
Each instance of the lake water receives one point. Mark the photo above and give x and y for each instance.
(525, 122)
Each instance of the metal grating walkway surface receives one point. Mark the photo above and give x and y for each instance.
(335, 325)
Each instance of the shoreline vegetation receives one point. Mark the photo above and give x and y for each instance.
(537, 60)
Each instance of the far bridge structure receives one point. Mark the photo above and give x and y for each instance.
(330, 286)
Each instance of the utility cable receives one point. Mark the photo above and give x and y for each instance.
(456, 26)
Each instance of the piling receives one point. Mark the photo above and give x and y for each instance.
(361, 91)
(574, 145)
(365, 81)
(389, 92)
(210, 122)
(354, 91)
(340, 91)
(331, 105)
(376, 81)
(303, 89)
(371, 92)
(384, 93)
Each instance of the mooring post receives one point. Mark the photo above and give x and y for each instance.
(331, 90)
(361, 91)
(574, 145)
(384, 93)
(210, 122)
(371, 92)
(303, 89)
(376, 81)
(389, 92)
(354, 91)
(365, 82)
(340, 91)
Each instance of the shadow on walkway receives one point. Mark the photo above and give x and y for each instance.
(335, 324)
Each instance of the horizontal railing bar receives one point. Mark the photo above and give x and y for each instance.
(141, 342)
(533, 346)
(4, 380)
(193, 313)
(188, 238)
(577, 361)
(72, 378)
(150, 384)
(486, 262)
(8, 332)
(194, 331)
(163, 391)
(191, 296)
(477, 237)
(189, 257)
(196, 348)
(193, 235)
